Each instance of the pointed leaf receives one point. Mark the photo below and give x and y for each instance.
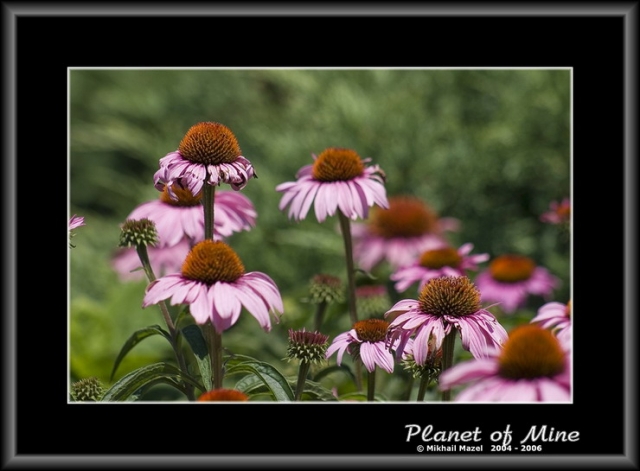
(276, 383)
(194, 337)
(137, 337)
(317, 392)
(332, 369)
(148, 376)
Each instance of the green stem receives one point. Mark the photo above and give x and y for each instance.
(208, 196)
(345, 227)
(144, 258)
(214, 343)
(371, 385)
(322, 307)
(213, 337)
(302, 379)
(448, 345)
(424, 385)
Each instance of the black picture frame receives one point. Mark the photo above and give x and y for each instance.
(41, 41)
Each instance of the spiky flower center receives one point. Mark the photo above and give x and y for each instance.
(567, 309)
(371, 330)
(209, 143)
(531, 352)
(185, 197)
(406, 217)
(438, 258)
(223, 395)
(449, 295)
(511, 268)
(337, 164)
(305, 346)
(212, 261)
(138, 232)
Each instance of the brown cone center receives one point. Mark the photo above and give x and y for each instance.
(511, 268)
(337, 164)
(209, 144)
(531, 352)
(405, 217)
(449, 295)
(210, 262)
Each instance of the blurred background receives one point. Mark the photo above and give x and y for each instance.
(490, 148)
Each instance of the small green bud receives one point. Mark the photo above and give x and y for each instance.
(137, 232)
(88, 389)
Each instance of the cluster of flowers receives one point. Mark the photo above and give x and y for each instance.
(182, 236)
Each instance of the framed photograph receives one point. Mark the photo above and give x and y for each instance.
(320, 236)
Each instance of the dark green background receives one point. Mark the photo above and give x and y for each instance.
(491, 148)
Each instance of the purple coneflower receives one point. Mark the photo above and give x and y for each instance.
(338, 179)
(559, 212)
(557, 317)
(399, 233)
(511, 278)
(445, 305)
(214, 284)
(366, 342)
(76, 221)
(208, 153)
(184, 216)
(434, 263)
(532, 366)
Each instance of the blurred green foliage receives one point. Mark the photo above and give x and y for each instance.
(488, 147)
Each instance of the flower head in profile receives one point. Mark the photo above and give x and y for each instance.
(434, 263)
(399, 233)
(214, 284)
(557, 317)
(223, 395)
(208, 153)
(306, 346)
(183, 217)
(445, 303)
(338, 179)
(532, 366)
(511, 278)
(558, 213)
(365, 341)
(74, 222)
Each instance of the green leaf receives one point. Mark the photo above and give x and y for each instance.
(332, 369)
(276, 383)
(317, 392)
(137, 337)
(194, 337)
(147, 376)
